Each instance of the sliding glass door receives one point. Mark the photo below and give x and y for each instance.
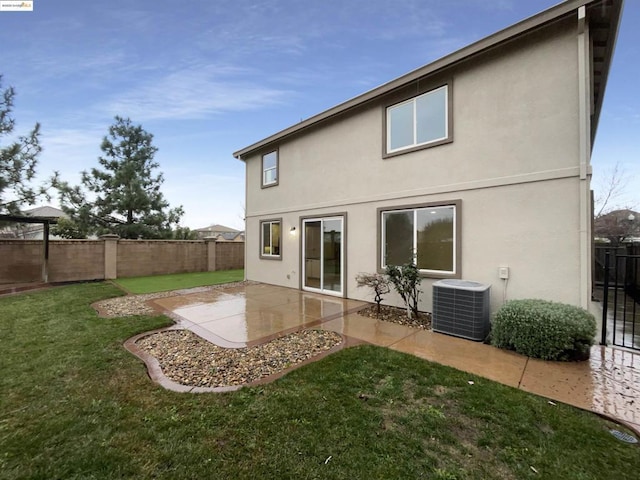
(323, 249)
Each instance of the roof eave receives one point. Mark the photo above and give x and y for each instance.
(614, 27)
(508, 34)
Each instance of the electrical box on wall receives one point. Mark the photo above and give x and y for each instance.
(503, 272)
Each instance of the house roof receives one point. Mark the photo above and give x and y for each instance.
(229, 236)
(217, 228)
(604, 18)
(45, 211)
(622, 214)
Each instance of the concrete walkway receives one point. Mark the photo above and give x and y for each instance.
(609, 383)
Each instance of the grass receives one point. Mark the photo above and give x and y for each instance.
(162, 283)
(75, 405)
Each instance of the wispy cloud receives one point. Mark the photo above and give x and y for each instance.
(493, 5)
(194, 92)
(283, 28)
(70, 150)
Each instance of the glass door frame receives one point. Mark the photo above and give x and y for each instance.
(342, 217)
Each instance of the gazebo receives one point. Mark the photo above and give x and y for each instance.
(46, 222)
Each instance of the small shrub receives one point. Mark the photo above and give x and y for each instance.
(543, 329)
(406, 280)
(378, 283)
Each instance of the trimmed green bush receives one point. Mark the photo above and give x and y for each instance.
(543, 329)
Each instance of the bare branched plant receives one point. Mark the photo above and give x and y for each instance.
(377, 282)
(611, 190)
(615, 219)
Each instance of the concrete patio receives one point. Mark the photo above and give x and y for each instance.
(608, 384)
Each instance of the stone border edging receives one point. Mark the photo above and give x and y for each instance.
(157, 375)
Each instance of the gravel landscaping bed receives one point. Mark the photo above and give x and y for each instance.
(397, 315)
(186, 358)
(190, 360)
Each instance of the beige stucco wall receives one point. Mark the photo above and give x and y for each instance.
(513, 114)
(537, 239)
(513, 162)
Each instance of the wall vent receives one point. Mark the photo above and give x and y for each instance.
(461, 308)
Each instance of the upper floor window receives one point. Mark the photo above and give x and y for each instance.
(270, 169)
(427, 236)
(420, 121)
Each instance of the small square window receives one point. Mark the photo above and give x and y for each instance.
(270, 169)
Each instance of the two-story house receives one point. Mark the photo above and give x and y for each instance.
(475, 162)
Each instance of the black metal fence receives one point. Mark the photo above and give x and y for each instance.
(600, 251)
(621, 299)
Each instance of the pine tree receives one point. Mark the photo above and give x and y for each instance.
(122, 197)
(18, 160)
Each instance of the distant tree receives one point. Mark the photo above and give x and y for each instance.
(18, 160)
(184, 233)
(614, 218)
(124, 196)
(67, 228)
(610, 191)
(618, 226)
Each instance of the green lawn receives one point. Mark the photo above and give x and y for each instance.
(161, 283)
(74, 404)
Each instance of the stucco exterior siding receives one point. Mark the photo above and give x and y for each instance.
(521, 226)
(514, 114)
(516, 163)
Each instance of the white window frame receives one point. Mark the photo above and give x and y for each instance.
(270, 223)
(265, 171)
(426, 272)
(413, 101)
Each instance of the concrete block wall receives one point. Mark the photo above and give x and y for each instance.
(137, 258)
(76, 260)
(20, 261)
(229, 255)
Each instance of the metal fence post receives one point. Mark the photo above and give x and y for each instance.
(605, 299)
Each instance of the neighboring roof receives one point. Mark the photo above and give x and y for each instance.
(604, 18)
(622, 214)
(618, 224)
(35, 215)
(46, 212)
(229, 236)
(217, 228)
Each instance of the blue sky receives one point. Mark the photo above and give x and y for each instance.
(208, 77)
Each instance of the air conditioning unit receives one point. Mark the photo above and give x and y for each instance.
(461, 308)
